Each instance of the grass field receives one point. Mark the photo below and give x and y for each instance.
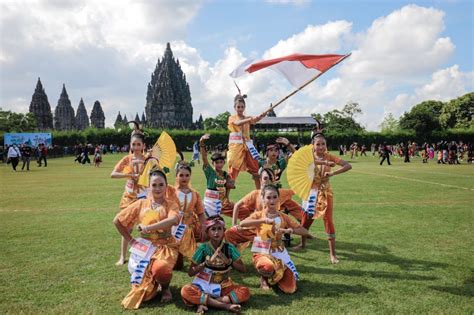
(404, 238)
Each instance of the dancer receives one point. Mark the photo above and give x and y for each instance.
(218, 183)
(242, 155)
(191, 227)
(270, 257)
(273, 159)
(212, 263)
(154, 254)
(253, 202)
(130, 167)
(321, 196)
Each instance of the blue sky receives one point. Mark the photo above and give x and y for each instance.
(403, 52)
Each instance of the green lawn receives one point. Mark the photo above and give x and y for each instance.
(404, 238)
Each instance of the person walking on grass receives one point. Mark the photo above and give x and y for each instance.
(385, 154)
(43, 153)
(13, 156)
(26, 151)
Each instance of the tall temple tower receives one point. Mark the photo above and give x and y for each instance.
(97, 116)
(82, 120)
(168, 100)
(118, 121)
(64, 113)
(41, 109)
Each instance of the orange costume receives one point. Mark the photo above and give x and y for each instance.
(270, 257)
(191, 207)
(163, 259)
(324, 206)
(133, 191)
(239, 157)
(253, 202)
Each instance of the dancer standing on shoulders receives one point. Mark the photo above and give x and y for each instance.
(242, 155)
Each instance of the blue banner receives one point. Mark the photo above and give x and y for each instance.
(32, 139)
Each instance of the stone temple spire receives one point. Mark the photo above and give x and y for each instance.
(137, 118)
(64, 113)
(40, 108)
(168, 101)
(82, 120)
(97, 116)
(118, 120)
(125, 120)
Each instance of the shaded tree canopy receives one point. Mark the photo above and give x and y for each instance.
(17, 122)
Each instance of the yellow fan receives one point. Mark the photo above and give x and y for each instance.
(163, 156)
(300, 172)
(165, 151)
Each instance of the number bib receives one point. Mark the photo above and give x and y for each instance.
(260, 246)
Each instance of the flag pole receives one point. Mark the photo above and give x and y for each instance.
(303, 86)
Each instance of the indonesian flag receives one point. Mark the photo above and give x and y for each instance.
(297, 68)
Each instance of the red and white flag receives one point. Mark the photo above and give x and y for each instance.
(297, 68)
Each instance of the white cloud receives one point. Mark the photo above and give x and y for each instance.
(445, 85)
(404, 44)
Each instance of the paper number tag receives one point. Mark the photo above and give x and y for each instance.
(178, 231)
(260, 246)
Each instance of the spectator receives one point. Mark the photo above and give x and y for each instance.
(13, 156)
(26, 152)
(43, 153)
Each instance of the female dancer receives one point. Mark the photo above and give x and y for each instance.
(270, 257)
(212, 263)
(273, 159)
(130, 167)
(242, 155)
(321, 192)
(218, 183)
(253, 202)
(191, 227)
(154, 254)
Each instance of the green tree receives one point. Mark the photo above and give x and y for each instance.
(423, 118)
(458, 112)
(219, 122)
(338, 121)
(389, 124)
(351, 109)
(17, 122)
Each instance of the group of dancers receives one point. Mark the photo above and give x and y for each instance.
(174, 222)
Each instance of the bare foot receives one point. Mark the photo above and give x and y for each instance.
(166, 296)
(201, 309)
(121, 261)
(298, 247)
(334, 260)
(264, 284)
(234, 308)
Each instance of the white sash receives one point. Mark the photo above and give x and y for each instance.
(309, 205)
(203, 281)
(140, 256)
(285, 257)
(253, 151)
(212, 203)
(236, 137)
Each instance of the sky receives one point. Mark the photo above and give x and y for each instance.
(402, 52)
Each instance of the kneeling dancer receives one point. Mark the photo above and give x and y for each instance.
(211, 266)
(154, 254)
(270, 257)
